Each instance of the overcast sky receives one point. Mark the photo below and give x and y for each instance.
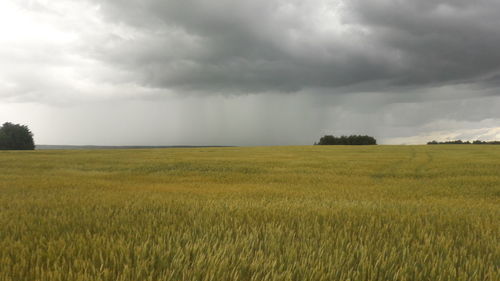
(260, 72)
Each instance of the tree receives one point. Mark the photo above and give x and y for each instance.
(347, 140)
(464, 142)
(16, 137)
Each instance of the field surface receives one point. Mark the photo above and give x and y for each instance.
(264, 213)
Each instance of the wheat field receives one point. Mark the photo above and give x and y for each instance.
(253, 213)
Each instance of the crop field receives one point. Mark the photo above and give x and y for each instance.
(254, 213)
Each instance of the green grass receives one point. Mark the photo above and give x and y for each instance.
(264, 213)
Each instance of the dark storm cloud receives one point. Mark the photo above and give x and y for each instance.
(441, 41)
(403, 71)
(261, 46)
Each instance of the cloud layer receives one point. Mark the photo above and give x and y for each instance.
(241, 47)
(263, 46)
(403, 67)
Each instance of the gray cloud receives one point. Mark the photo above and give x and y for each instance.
(284, 46)
(441, 41)
(241, 47)
(216, 71)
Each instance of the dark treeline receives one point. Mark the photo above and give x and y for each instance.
(464, 142)
(16, 137)
(347, 140)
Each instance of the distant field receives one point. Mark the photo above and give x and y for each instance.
(264, 213)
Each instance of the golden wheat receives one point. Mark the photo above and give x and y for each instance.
(262, 213)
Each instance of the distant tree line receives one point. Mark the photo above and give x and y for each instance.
(346, 140)
(464, 142)
(16, 137)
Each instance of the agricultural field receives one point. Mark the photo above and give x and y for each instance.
(252, 213)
